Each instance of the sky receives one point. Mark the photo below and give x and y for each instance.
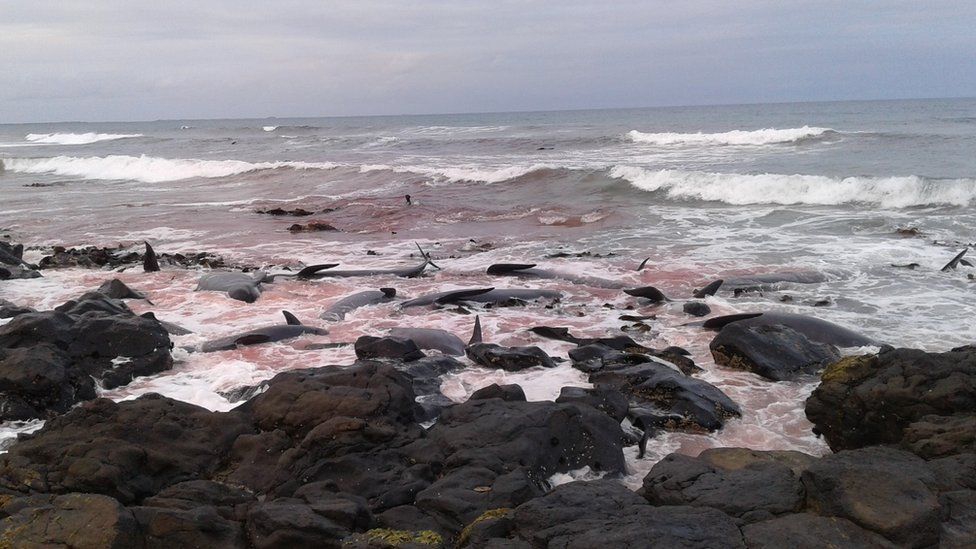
(106, 60)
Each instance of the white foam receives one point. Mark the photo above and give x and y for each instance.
(457, 174)
(10, 429)
(269, 128)
(77, 138)
(147, 169)
(766, 136)
(742, 189)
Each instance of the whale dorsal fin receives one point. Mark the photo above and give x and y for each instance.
(149, 262)
(291, 319)
(710, 289)
(312, 269)
(476, 333)
(643, 264)
(506, 268)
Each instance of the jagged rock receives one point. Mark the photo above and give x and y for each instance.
(200, 526)
(884, 490)
(127, 450)
(40, 382)
(511, 359)
(774, 352)
(72, 520)
(897, 397)
(10, 310)
(512, 393)
(805, 530)
(608, 400)
(750, 487)
(290, 524)
(396, 348)
(117, 289)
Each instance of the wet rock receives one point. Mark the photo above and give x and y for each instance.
(227, 500)
(806, 530)
(389, 347)
(511, 359)
(511, 393)
(40, 382)
(313, 226)
(200, 526)
(123, 256)
(774, 352)
(13, 272)
(597, 356)
(680, 401)
(887, 491)
(297, 212)
(608, 400)
(958, 519)
(696, 308)
(606, 514)
(290, 524)
(72, 520)
(117, 289)
(750, 487)
(11, 254)
(426, 375)
(10, 310)
(923, 401)
(127, 450)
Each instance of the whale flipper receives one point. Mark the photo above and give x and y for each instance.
(508, 268)
(312, 269)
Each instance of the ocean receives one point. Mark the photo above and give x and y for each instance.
(849, 190)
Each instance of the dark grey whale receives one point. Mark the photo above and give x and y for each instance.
(240, 286)
(337, 311)
(529, 270)
(813, 328)
(482, 295)
(440, 340)
(266, 334)
(325, 271)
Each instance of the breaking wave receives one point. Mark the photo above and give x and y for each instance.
(459, 174)
(768, 136)
(77, 138)
(743, 189)
(147, 169)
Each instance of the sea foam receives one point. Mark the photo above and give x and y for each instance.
(767, 136)
(77, 138)
(147, 169)
(744, 189)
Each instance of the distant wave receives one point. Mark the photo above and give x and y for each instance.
(462, 173)
(768, 136)
(269, 128)
(77, 138)
(147, 169)
(743, 189)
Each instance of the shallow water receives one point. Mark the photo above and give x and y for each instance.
(704, 193)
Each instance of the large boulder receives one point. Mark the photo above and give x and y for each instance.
(127, 450)
(510, 359)
(82, 521)
(773, 351)
(805, 530)
(40, 382)
(922, 401)
(10, 310)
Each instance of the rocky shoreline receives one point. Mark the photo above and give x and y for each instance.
(370, 454)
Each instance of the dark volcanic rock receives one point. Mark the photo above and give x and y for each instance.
(610, 401)
(804, 530)
(312, 226)
(11, 254)
(772, 351)
(127, 450)
(923, 401)
(72, 520)
(881, 489)
(200, 526)
(10, 310)
(512, 393)
(751, 486)
(606, 514)
(117, 289)
(290, 524)
(669, 398)
(40, 382)
(123, 256)
(511, 359)
(396, 348)
(425, 375)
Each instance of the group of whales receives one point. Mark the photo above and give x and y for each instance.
(247, 287)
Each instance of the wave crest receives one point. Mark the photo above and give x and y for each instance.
(767, 136)
(458, 174)
(76, 138)
(744, 189)
(147, 169)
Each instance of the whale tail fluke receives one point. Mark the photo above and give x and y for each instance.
(955, 261)
(643, 264)
(427, 259)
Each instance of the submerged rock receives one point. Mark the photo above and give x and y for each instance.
(772, 351)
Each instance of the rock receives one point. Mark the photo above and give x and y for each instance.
(10, 310)
(669, 398)
(774, 352)
(606, 514)
(923, 401)
(511, 393)
(887, 491)
(11, 254)
(597, 356)
(958, 519)
(805, 530)
(297, 212)
(312, 226)
(123, 256)
(72, 520)
(13, 272)
(200, 526)
(756, 488)
(696, 308)
(511, 359)
(608, 400)
(127, 450)
(117, 289)
(40, 382)
(395, 348)
(289, 524)
(225, 499)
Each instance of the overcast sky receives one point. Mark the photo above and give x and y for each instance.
(139, 60)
